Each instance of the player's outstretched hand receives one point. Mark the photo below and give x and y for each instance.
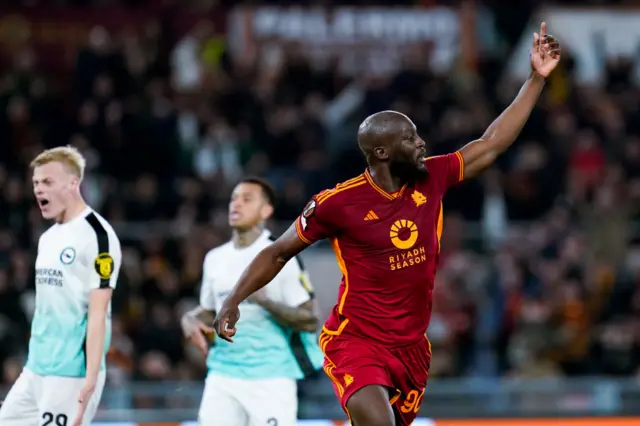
(545, 52)
(225, 322)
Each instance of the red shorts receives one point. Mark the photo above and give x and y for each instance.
(353, 363)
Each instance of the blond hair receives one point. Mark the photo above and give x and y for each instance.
(68, 155)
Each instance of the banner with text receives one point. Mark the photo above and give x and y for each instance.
(358, 40)
(592, 36)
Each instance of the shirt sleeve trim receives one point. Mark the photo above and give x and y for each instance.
(461, 166)
(104, 263)
(300, 234)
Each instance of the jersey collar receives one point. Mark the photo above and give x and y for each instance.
(387, 195)
(265, 235)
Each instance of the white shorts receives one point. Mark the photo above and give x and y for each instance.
(36, 400)
(239, 402)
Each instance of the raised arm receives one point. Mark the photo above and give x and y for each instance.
(502, 133)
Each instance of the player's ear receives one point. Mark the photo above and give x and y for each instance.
(75, 182)
(381, 153)
(266, 211)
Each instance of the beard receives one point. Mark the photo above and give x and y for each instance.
(408, 171)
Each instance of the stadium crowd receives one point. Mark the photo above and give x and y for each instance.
(540, 264)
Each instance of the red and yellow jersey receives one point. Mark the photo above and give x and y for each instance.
(387, 246)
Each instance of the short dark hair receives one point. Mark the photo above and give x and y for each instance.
(267, 190)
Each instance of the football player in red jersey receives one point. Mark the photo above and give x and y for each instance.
(385, 228)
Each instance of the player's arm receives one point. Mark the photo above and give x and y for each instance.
(104, 257)
(298, 318)
(96, 329)
(502, 133)
(194, 323)
(296, 309)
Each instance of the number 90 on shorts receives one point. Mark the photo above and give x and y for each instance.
(411, 403)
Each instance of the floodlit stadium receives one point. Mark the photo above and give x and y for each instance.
(536, 300)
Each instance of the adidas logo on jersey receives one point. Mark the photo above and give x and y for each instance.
(371, 216)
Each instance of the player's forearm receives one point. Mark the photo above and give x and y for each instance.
(96, 333)
(297, 318)
(260, 272)
(505, 129)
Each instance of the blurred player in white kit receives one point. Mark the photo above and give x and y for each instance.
(252, 382)
(77, 268)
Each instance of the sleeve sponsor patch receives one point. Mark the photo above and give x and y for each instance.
(309, 210)
(307, 213)
(104, 265)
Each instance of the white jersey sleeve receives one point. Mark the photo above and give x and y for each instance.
(207, 292)
(102, 254)
(294, 283)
